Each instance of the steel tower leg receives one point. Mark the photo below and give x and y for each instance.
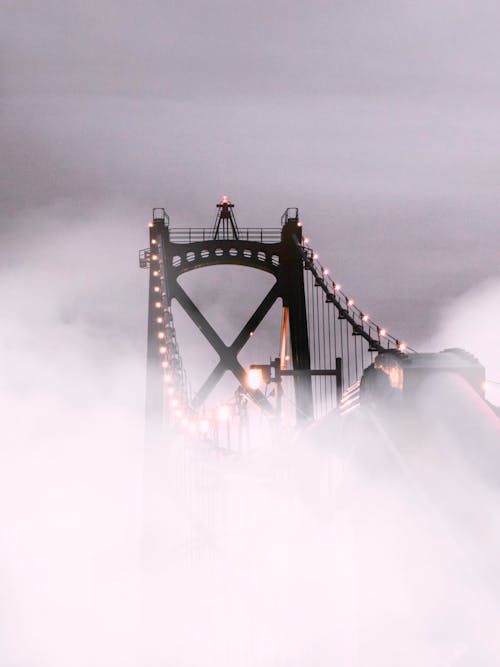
(154, 381)
(292, 289)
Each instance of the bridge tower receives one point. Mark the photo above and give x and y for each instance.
(173, 252)
(294, 303)
(328, 333)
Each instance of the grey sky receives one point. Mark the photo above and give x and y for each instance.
(378, 119)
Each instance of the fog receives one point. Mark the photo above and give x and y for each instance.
(381, 124)
(332, 548)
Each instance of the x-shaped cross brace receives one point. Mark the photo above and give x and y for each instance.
(228, 355)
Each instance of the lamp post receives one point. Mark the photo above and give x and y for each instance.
(258, 374)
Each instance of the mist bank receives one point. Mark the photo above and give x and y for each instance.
(335, 548)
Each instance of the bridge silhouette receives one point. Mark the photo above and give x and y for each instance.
(391, 468)
(326, 339)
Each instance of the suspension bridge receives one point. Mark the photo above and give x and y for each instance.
(326, 341)
(330, 374)
(330, 350)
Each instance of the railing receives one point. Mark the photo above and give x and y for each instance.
(362, 325)
(350, 399)
(144, 258)
(193, 234)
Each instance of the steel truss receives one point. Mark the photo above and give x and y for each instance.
(284, 254)
(279, 255)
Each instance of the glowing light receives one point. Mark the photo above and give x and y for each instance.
(394, 373)
(337, 288)
(484, 385)
(154, 257)
(150, 224)
(164, 364)
(156, 288)
(159, 320)
(306, 239)
(224, 199)
(167, 378)
(223, 412)
(204, 426)
(178, 413)
(174, 402)
(315, 256)
(326, 272)
(157, 304)
(299, 224)
(156, 273)
(254, 378)
(402, 347)
(350, 302)
(365, 318)
(161, 335)
(170, 391)
(154, 241)
(163, 349)
(382, 332)
(287, 357)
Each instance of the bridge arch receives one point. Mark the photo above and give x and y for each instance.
(201, 254)
(324, 313)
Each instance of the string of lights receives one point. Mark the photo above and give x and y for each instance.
(361, 322)
(177, 393)
(350, 336)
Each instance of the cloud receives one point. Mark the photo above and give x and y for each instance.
(379, 128)
(471, 322)
(296, 553)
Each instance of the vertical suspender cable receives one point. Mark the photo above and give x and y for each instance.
(330, 386)
(325, 352)
(319, 365)
(356, 373)
(342, 352)
(348, 355)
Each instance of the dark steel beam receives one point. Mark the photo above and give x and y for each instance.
(228, 355)
(257, 317)
(292, 287)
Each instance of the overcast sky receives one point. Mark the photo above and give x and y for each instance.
(378, 119)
